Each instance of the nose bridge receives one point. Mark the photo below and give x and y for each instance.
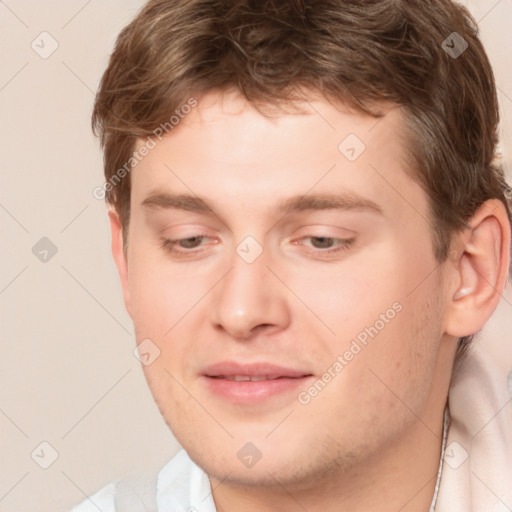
(247, 296)
(245, 281)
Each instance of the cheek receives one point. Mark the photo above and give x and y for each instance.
(399, 361)
(159, 297)
(351, 296)
(386, 318)
(384, 379)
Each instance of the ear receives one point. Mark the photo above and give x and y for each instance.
(116, 231)
(480, 268)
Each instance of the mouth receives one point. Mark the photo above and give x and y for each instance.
(245, 378)
(253, 383)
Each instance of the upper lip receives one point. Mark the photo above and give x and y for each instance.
(231, 369)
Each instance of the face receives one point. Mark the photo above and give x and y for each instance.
(286, 274)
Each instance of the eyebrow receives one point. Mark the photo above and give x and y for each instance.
(188, 203)
(345, 201)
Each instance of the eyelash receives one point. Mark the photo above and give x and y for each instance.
(169, 245)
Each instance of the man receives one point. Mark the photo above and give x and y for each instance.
(310, 226)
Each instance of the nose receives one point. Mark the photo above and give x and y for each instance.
(249, 300)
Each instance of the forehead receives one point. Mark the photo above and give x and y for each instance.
(226, 150)
(312, 121)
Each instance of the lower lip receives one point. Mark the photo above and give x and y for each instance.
(246, 392)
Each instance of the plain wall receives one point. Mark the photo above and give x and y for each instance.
(68, 373)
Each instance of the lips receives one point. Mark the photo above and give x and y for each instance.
(254, 382)
(245, 378)
(229, 369)
(260, 371)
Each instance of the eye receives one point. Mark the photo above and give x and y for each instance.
(325, 243)
(191, 242)
(322, 242)
(182, 247)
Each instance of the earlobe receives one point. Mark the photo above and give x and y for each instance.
(119, 255)
(480, 270)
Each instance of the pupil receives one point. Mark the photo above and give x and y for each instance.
(322, 242)
(190, 243)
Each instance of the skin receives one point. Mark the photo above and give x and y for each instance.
(370, 440)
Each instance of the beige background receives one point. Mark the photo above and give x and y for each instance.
(68, 374)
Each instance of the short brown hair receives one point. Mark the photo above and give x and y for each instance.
(423, 56)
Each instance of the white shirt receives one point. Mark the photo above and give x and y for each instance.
(181, 487)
